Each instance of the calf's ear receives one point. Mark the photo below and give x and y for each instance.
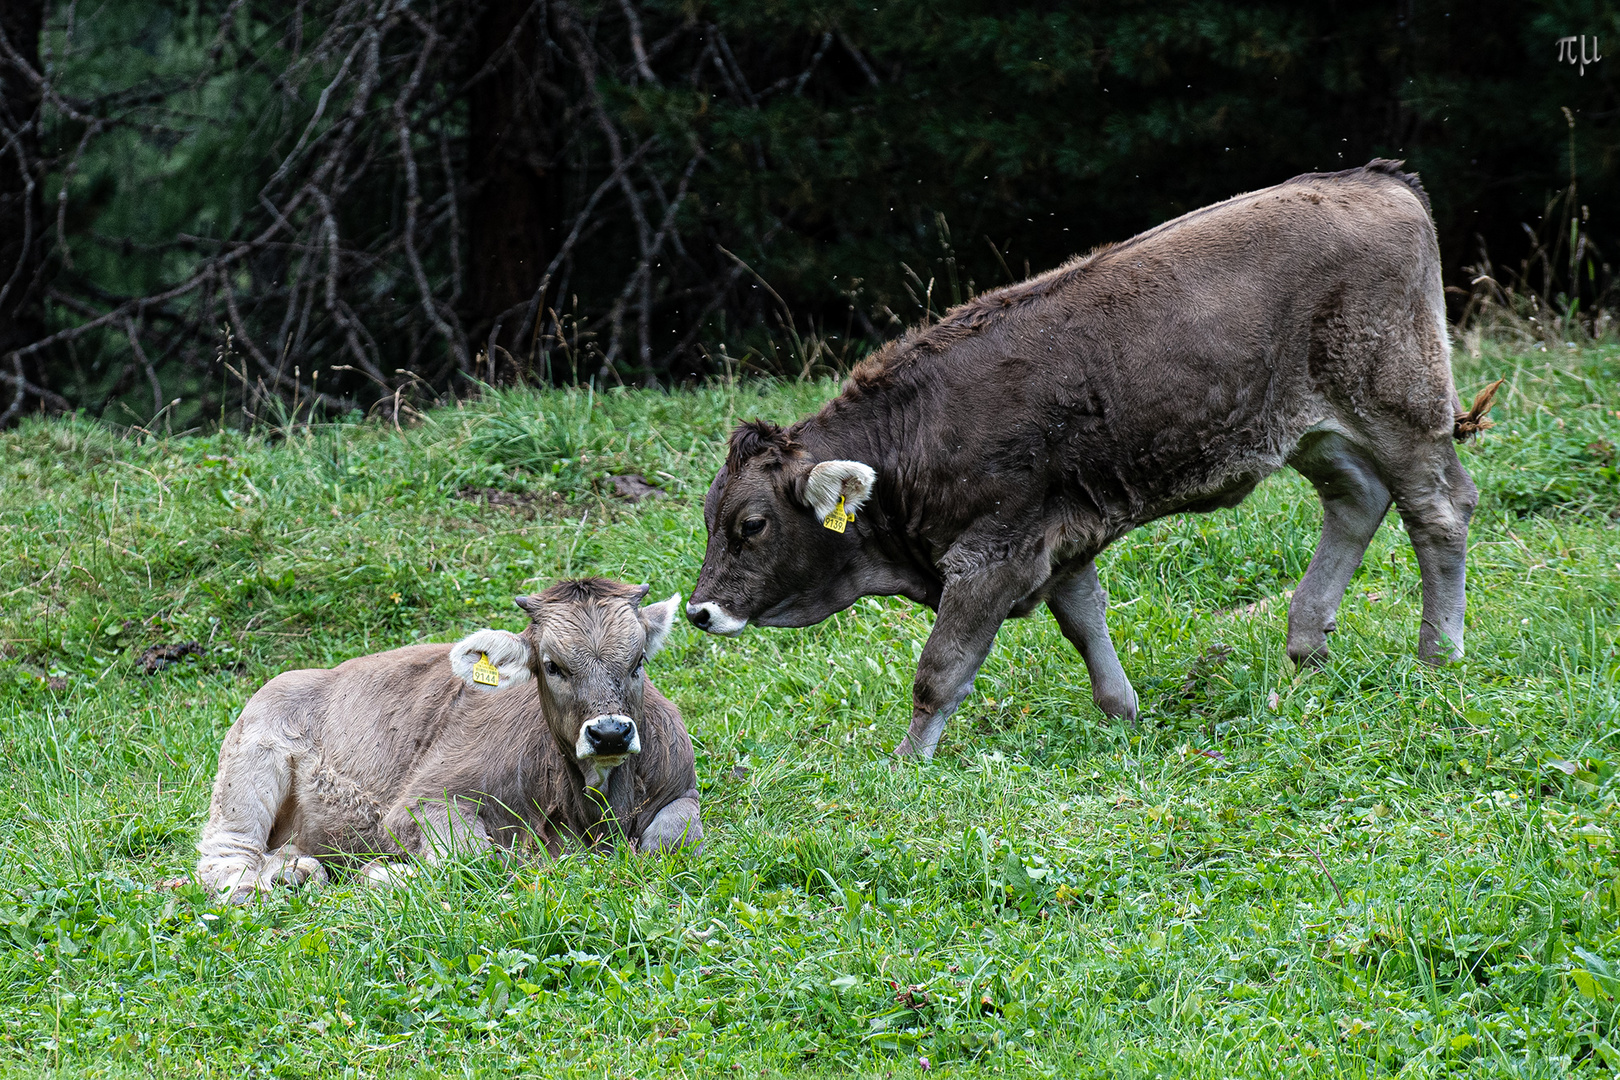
(658, 619)
(831, 480)
(473, 656)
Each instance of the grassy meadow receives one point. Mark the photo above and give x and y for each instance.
(1373, 869)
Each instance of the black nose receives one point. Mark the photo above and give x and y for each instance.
(610, 735)
(700, 617)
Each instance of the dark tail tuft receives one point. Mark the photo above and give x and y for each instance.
(1473, 421)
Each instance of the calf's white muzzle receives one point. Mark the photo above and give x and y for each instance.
(603, 744)
(715, 619)
(607, 739)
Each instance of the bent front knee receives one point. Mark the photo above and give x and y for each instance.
(1446, 538)
(678, 825)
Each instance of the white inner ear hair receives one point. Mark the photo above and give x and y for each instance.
(508, 652)
(659, 618)
(851, 480)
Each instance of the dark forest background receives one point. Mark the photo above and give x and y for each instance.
(215, 208)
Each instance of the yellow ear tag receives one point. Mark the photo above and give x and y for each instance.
(838, 518)
(485, 672)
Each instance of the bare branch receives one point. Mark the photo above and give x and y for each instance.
(19, 395)
(575, 233)
(859, 57)
(636, 46)
(453, 337)
(312, 274)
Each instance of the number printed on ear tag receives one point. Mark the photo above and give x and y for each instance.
(485, 672)
(838, 518)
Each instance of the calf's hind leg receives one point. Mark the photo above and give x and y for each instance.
(250, 791)
(432, 830)
(1436, 498)
(1354, 502)
(1081, 608)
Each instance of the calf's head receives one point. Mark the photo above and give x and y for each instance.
(779, 536)
(587, 645)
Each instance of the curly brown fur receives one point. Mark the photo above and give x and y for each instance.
(755, 437)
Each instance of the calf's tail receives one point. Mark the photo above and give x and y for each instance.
(1474, 421)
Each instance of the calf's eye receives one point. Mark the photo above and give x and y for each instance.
(553, 670)
(753, 526)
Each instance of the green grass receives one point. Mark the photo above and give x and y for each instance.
(1376, 868)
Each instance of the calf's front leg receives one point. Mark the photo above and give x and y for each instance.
(676, 825)
(971, 610)
(1354, 503)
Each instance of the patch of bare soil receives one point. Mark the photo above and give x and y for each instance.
(513, 500)
(636, 487)
(158, 657)
(632, 487)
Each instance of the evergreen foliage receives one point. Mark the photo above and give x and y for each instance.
(836, 170)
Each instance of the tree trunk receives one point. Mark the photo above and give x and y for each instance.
(22, 210)
(515, 202)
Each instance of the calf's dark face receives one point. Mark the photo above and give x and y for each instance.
(771, 558)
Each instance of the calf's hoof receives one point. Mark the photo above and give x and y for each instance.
(1440, 656)
(290, 867)
(1308, 651)
(287, 867)
(386, 873)
(1117, 705)
(231, 880)
(922, 737)
(1308, 646)
(1437, 648)
(908, 749)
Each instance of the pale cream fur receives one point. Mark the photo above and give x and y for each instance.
(399, 753)
(830, 480)
(504, 649)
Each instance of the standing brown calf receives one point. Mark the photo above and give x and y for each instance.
(980, 465)
(553, 734)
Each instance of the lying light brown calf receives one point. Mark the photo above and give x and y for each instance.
(554, 734)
